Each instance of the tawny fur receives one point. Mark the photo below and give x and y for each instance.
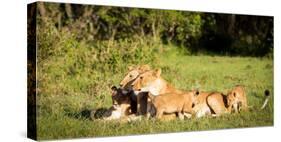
(152, 82)
(201, 107)
(216, 104)
(173, 103)
(133, 74)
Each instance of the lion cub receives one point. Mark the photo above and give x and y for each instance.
(173, 103)
(120, 104)
(237, 99)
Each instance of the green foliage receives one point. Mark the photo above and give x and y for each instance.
(217, 33)
(67, 67)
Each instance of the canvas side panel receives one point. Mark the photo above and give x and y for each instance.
(31, 71)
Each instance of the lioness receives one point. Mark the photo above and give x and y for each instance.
(216, 103)
(210, 103)
(151, 81)
(237, 99)
(173, 103)
(139, 102)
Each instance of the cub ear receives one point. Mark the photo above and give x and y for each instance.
(144, 68)
(157, 72)
(197, 92)
(234, 94)
(113, 90)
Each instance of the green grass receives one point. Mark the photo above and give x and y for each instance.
(69, 85)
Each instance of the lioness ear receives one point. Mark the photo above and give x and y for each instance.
(130, 68)
(158, 72)
(144, 68)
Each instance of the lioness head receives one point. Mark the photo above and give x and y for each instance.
(133, 74)
(194, 93)
(147, 81)
(119, 96)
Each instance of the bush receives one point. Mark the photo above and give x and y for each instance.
(66, 65)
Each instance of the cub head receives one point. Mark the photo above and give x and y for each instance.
(133, 74)
(146, 81)
(119, 97)
(232, 100)
(196, 97)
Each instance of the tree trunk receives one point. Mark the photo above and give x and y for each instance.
(154, 31)
(231, 21)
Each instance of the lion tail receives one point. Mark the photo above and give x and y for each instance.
(267, 95)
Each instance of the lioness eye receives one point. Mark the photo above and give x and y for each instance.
(141, 77)
(130, 76)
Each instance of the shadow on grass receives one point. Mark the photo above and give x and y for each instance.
(87, 114)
